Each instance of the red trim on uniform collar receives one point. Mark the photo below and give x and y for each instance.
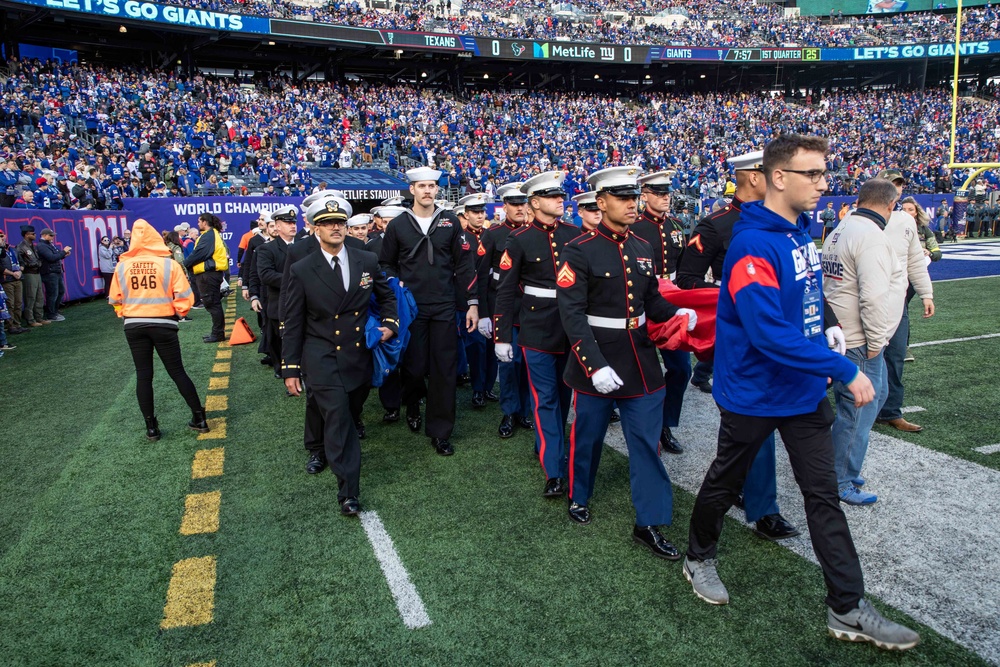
(545, 228)
(646, 214)
(607, 232)
(736, 203)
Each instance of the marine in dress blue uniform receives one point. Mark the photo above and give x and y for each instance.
(471, 211)
(706, 252)
(528, 267)
(607, 287)
(666, 235)
(514, 401)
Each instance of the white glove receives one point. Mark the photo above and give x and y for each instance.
(606, 380)
(835, 339)
(486, 327)
(504, 352)
(692, 317)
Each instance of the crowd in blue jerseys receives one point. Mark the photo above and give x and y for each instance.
(712, 22)
(158, 134)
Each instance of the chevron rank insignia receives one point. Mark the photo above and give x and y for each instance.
(481, 250)
(696, 242)
(505, 262)
(566, 276)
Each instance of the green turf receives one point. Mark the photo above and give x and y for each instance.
(505, 577)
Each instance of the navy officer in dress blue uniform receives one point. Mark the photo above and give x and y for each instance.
(514, 401)
(706, 253)
(528, 268)
(326, 310)
(422, 247)
(607, 287)
(666, 234)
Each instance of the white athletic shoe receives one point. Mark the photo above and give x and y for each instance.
(865, 624)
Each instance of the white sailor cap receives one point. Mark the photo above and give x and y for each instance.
(618, 181)
(546, 184)
(476, 201)
(359, 220)
(445, 204)
(459, 210)
(511, 193)
(422, 174)
(377, 211)
(748, 161)
(329, 209)
(285, 213)
(657, 182)
(316, 196)
(586, 200)
(390, 212)
(393, 201)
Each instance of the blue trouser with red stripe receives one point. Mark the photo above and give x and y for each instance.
(514, 399)
(550, 399)
(760, 489)
(675, 379)
(642, 419)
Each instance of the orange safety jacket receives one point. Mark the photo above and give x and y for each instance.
(149, 288)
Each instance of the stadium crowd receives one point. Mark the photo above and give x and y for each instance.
(744, 23)
(79, 136)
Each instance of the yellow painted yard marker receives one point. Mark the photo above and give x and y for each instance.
(218, 383)
(201, 513)
(208, 463)
(191, 594)
(218, 432)
(216, 403)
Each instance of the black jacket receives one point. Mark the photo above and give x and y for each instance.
(494, 242)
(256, 241)
(707, 248)
(51, 257)
(530, 262)
(324, 335)
(666, 236)
(611, 275)
(269, 262)
(304, 246)
(433, 267)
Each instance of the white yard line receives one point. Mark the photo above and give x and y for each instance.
(912, 408)
(928, 547)
(988, 449)
(408, 601)
(955, 340)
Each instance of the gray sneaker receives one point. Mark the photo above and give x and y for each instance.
(58, 318)
(865, 624)
(705, 580)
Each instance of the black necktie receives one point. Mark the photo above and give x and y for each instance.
(338, 274)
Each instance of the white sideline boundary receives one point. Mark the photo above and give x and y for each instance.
(955, 340)
(408, 601)
(988, 449)
(928, 547)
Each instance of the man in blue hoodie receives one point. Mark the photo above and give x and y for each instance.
(772, 365)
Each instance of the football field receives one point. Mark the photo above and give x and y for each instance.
(220, 549)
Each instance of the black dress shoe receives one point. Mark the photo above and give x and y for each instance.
(579, 513)
(704, 386)
(152, 429)
(463, 379)
(554, 488)
(478, 400)
(211, 339)
(277, 375)
(615, 417)
(506, 429)
(413, 419)
(739, 501)
(526, 423)
(391, 416)
(774, 527)
(491, 397)
(668, 443)
(266, 361)
(360, 426)
(442, 446)
(315, 464)
(350, 507)
(649, 537)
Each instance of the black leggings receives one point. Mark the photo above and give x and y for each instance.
(142, 341)
(107, 283)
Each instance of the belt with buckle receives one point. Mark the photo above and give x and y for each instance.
(616, 322)
(494, 274)
(540, 292)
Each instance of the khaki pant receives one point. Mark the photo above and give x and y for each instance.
(34, 299)
(15, 302)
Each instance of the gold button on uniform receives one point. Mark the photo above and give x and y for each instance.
(338, 348)
(607, 275)
(336, 333)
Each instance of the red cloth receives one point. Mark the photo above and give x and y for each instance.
(671, 335)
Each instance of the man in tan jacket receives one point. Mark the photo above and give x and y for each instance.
(865, 285)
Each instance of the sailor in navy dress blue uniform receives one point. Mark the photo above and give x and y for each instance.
(666, 235)
(514, 401)
(706, 252)
(528, 268)
(471, 211)
(607, 287)
(422, 247)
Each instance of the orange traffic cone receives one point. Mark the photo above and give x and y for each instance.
(241, 333)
